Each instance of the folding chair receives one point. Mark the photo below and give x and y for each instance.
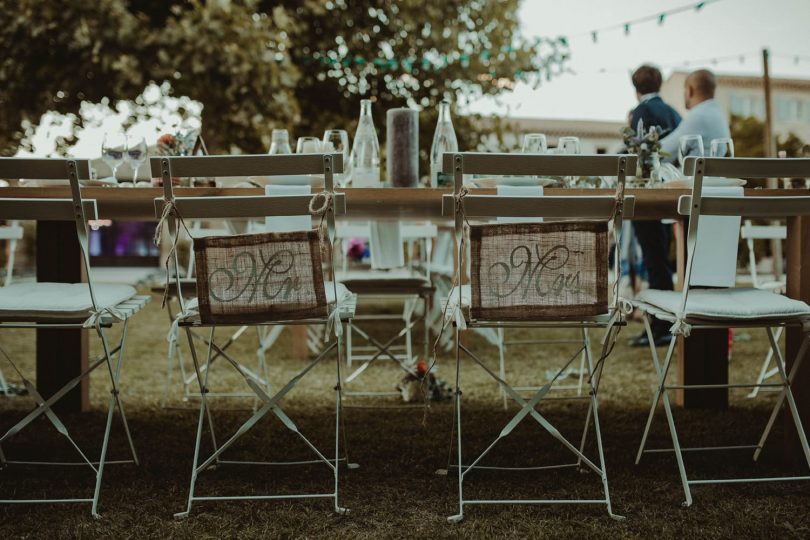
(729, 307)
(536, 275)
(750, 232)
(411, 285)
(258, 279)
(66, 306)
(12, 233)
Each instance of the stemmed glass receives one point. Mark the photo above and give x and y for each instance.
(721, 147)
(136, 156)
(689, 145)
(535, 143)
(337, 141)
(112, 151)
(308, 145)
(570, 146)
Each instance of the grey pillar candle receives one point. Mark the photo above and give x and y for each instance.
(402, 148)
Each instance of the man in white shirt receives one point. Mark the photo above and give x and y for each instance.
(705, 118)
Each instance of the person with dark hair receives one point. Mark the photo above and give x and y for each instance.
(654, 237)
(706, 118)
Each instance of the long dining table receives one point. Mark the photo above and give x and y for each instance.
(702, 358)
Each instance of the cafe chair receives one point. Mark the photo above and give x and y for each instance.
(259, 279)
(75, 306)
(735, 307)
(535, 275)
(750, 232)
(410, 285)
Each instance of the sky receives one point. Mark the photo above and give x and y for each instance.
(720, 30)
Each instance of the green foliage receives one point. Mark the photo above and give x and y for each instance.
(260, 64)
(749, 139)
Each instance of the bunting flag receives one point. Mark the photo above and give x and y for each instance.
(660, 17)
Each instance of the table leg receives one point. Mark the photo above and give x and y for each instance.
(798, 287)
(703, 357)
(61, 354)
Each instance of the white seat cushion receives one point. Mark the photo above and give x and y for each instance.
(62, 301)
(375, 275)
(739, 303)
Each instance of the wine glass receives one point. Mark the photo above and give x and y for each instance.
(535, 143)
(570, 146)
(136, 156)
(308, 145)
(337, 141)
(689, 145)
(112, 150)
(722, 147)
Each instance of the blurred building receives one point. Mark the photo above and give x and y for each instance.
(743, 95)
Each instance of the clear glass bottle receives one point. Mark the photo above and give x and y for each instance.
(444, 140)
(280, 142)
(365, 154)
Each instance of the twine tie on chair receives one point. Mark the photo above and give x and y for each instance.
(95, 318)
(169, 209)
(334, 319)
(681, 327)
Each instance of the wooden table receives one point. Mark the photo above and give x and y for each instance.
(703, 359)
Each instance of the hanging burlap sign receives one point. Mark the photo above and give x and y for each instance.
(533, 271)
(260, 277)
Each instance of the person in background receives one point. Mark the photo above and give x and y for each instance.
(654, 237)
(705, 118)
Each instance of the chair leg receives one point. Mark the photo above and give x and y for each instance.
(338, 407)
(586, 353)
(502, 365)
(658, 388)
(456, 518)
(203, 384)
(764, 373)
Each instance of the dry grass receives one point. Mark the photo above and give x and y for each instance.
(396, 493)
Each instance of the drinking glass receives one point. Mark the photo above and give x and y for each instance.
(689, 145)
(136, 156)
(308, 145)
(535, 143)
(569, 145)
(337, 141)
(722, 147)
(113, 147)
(280, 143)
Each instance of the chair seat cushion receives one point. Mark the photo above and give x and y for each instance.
(33, 302)
(723, 304)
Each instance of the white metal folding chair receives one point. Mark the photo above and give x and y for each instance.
(536, 275)
(66, 306)
(259, 279)
(750, 232)
(410, 285)
(731, 307)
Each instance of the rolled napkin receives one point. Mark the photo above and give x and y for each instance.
(520, 191)
(402, 150)
(385, 245)
(279, 224)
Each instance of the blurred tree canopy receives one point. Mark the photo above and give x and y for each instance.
(260, 64)
(748, 133)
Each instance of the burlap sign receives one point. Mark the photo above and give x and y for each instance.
(530, 271)
(260, 277)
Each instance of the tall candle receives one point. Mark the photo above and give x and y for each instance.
(402, 151)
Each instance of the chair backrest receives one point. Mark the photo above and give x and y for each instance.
(697, 204)
(75, 209)
(525, 271)
(254, 277)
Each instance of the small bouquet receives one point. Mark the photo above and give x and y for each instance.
(179, 144)
(647, 146)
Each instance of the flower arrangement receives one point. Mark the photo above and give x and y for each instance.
(647, 146)
(179, 144)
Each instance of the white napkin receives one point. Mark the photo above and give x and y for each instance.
(287, 223)
(715, 263)
(385, 245)
(520, 191)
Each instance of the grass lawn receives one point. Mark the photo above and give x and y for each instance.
(396, 491)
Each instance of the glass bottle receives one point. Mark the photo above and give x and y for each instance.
(365, 154)
(444, 140)
(280, 142)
